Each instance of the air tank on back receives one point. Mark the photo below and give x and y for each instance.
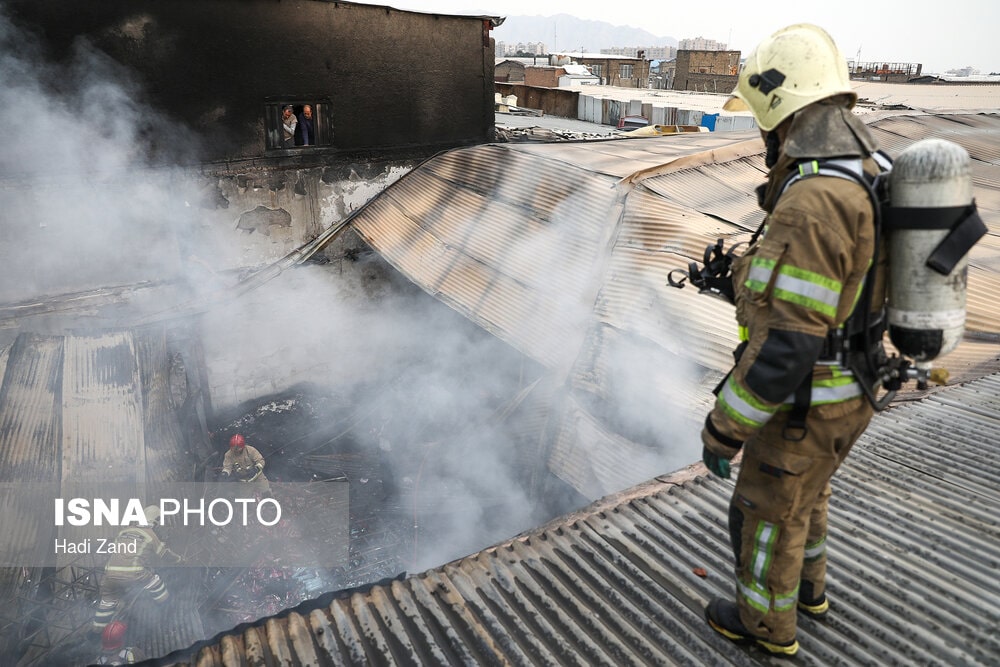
(931, 226)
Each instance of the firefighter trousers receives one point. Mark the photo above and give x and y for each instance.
(119, 587)
(778, 514)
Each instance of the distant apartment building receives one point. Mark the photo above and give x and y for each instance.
(648, 52)
(700, 44)
(661, 52)
(533, 48)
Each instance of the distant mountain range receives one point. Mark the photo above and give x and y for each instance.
(564, 32)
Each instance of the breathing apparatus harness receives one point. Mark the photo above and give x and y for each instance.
(857, 343)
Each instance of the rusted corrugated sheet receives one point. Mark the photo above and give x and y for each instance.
(622, 158)
(90, 410)
(724, 191)
(30, 431)
(166, 455)
(967, 130)
(102, 411)
(913, 571)
(30, 400)
(503, 252)
(509, 234)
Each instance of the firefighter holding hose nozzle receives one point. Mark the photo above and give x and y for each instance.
(812, 307)
(246, 464)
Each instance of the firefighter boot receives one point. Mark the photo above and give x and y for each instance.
(811, 605)
(724, 617)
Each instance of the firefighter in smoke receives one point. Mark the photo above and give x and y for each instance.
(790, 403)
(246, 464)
(113, 649)
(129, 572)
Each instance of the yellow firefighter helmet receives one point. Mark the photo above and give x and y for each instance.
(794, 67)
(152, 513)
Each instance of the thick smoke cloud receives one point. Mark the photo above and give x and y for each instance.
(83, 207)
(88, 205)
(428, 383)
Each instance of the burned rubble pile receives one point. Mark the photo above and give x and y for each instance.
(308, 436)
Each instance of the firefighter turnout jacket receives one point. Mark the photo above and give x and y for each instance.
(149, 551)
(798, 282)
(129, 573)
(243, 462)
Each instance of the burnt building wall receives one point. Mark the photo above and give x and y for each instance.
(706, 71)
(552, 101)
(221, 66)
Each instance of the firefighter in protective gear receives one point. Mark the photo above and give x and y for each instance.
(789, 403)
(129, 572)
(246, 464)
(113, 649)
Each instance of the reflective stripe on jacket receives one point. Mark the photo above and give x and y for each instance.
(800, 279)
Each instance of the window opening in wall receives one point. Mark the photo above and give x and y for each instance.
(626, 71)
(298, 124)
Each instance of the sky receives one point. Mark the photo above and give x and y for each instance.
(940, 35)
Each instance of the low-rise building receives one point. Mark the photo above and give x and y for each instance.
(611, 70)
(706, 71)
(552, 76)
(509, 71)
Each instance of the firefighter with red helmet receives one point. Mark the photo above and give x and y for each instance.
(129, 572)
(245, 463)
(113, 649)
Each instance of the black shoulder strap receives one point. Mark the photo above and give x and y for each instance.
(859, 319)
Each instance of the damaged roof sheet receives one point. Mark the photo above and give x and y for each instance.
(915, 537)
(86, 412)
(913, 571)
(564, 250)
(455, 225)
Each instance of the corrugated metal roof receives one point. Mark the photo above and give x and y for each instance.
(914, 528)
(913, 571)
(89, 410)
(507, 233)
(930, 96)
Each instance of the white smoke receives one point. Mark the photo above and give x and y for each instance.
(83, 206)
(102, 210)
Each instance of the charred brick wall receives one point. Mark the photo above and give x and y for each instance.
(389, 78)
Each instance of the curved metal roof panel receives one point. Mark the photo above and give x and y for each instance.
(912, 577)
